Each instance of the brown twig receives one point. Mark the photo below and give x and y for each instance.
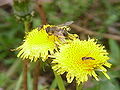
(89, 32)
(41, 12)
(25, 74)
(36, 75)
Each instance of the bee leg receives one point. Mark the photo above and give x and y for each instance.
(39, 27)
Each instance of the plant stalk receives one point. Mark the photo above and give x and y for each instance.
(36, 75)
(79, 87)
(25, 69)
(25, 62)
(59, 81)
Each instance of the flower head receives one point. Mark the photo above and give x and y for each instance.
(81, 59)
(37, 43)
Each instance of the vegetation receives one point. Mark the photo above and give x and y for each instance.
(92, 18)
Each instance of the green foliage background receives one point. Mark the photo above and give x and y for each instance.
(100, 15)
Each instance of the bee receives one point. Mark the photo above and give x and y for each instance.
(60, 31)
(67, 23)
(59, 28)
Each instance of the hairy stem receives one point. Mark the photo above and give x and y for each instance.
(27, 25)
(36, 75)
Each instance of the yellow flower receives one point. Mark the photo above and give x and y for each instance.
(37, 43)
(81, 59)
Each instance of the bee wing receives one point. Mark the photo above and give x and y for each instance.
(67, 23)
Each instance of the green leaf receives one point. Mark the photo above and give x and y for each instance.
(29, 80)
(19, 82)
(115, 52)
(109, 86)
(59, 81)
(104, 85)
(53, 85)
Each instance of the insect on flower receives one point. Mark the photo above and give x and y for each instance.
(59, 30)
(81, 59)
(87, 58)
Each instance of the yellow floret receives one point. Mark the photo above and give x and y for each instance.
(81, 59)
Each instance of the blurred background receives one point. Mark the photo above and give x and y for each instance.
(94, 18)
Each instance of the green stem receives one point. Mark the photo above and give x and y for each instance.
(19, 82)
(79, 87)
(59, 81)
(27, 26)
(53, 85)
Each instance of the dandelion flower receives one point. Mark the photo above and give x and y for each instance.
(37, 43)
(80, 59)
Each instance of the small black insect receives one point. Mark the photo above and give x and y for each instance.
(87, 58)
